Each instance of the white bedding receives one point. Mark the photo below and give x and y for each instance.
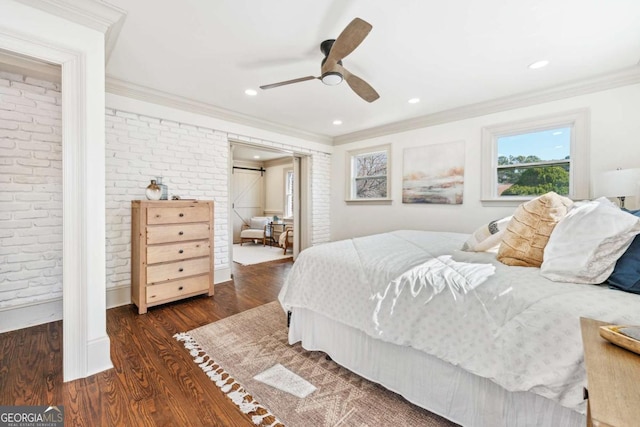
(514, 327)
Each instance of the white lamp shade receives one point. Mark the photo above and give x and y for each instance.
(618, 183)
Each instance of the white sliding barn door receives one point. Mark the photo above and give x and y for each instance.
(247, 198)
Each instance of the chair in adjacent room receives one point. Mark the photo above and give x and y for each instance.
(286, 239)
(257, 229)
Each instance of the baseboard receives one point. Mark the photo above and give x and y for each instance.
(98, 352)
(37, 313)
(222, 275)
(27, 315)
(118, 295)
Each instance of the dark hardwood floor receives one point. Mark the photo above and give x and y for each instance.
(154, 381)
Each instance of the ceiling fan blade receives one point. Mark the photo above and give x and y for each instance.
(349, 39)
(359, 86)
(288, 82)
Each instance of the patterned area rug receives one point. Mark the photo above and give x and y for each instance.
(294, 387)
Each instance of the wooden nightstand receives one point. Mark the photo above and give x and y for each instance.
(613, 377)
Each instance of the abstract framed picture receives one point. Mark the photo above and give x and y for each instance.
(434, 174)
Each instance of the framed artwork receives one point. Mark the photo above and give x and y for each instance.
(434, 174)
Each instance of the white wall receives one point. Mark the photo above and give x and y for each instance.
(615, 132)
(31, 190)
(274, 187)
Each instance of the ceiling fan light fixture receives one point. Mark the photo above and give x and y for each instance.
(331, 78)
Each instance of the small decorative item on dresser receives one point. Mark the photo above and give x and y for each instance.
(165, 190)
(153, 192)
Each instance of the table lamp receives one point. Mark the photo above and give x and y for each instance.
(618, 183)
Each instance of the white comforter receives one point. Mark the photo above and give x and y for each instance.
(504, 323)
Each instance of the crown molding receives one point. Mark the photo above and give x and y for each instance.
(96, 14)
(20, 64)
(624, 77)
(131, 90)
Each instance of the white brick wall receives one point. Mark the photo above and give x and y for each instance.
(192, 161)
(321, 203)
(30, 190)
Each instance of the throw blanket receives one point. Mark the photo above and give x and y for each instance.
(514, 327)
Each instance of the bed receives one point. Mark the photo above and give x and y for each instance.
(458, 333)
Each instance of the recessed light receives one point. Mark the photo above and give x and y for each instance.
(250, 92)
(256, 157)
(539, 64)
(556, 133)
(337, 122)
(414, 100)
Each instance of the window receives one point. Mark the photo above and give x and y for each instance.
(525, 159)
(288, 193)
(368, 170)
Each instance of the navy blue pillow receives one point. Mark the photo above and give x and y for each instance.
(626, 274)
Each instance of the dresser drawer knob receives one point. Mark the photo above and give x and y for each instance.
(180, 233)
(181, 288)
(180, 251)
(181, 269)
(181, 215)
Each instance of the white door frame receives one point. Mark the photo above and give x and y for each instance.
(301, 205)
(80, 52)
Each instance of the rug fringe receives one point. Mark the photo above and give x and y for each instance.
(240, 397)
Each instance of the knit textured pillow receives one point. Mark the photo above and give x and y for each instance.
(528, 231)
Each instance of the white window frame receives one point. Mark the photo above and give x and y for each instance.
(577, 120)
(351, 187)
(287, 195)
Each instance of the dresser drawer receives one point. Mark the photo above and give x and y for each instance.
(177, 233)
(177, 289)
(177, 215)
(177, 251)
(176, 270)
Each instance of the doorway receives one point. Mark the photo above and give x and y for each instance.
(264, 182)
(80, 53)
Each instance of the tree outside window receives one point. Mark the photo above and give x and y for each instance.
(527, 158)
(545, 168)
(369, 170)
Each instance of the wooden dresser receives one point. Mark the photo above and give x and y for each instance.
(613, 375)
(171, 251)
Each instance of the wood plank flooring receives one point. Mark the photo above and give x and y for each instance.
(154, 381)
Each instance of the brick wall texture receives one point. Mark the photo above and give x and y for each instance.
(31, 190)
(192, 160)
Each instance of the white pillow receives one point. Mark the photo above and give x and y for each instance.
(585, 245)
(487, 238)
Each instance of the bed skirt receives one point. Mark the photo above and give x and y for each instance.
(427, 381)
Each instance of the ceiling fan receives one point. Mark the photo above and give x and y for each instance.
(332, 71)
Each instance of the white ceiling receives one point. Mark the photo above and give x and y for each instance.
(448, 53)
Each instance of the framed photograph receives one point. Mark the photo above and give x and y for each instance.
(434, 174)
